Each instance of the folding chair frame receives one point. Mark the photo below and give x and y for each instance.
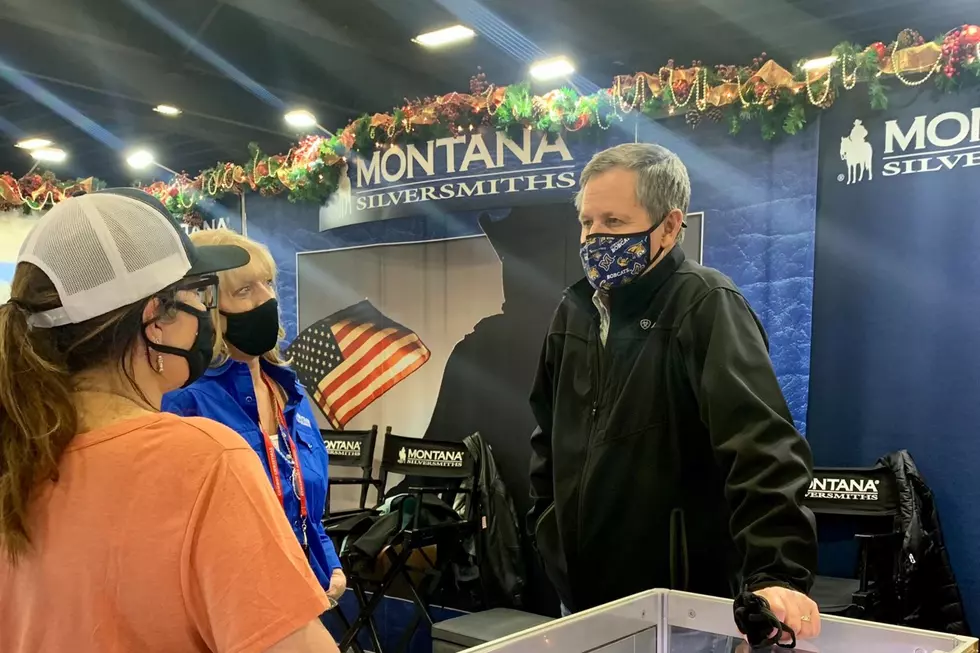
(398, 553)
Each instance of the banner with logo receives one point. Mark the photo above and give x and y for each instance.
(478, 170)
(896, 305)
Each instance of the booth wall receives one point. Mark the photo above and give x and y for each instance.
(758, 201)
(897, 304)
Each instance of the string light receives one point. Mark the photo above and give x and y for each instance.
(898, 73)
(826, 90)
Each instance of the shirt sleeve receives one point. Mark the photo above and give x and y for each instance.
(542, 406)
(247, 584)
(316, 517)
(766, 462)
(181, 402)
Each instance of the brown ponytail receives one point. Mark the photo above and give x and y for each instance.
(38, 418)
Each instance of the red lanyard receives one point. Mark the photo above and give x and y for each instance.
(270, 452)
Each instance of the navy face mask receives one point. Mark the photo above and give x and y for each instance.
(615, 260)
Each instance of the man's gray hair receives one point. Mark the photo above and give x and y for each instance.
(662, 183)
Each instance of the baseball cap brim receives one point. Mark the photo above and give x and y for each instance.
(216, 258)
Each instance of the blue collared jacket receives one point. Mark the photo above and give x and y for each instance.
(225, 394)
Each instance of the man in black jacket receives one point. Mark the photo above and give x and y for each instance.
(665, 455)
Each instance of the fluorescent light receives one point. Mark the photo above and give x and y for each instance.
(819, 63)
(167, 110)
(50, 154)
(300, 118)
(33, 143)
(445, 36)
(552, 68)
(140, 159)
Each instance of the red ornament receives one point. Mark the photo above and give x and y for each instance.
(583, 121)
(760, 89)
(880, 49)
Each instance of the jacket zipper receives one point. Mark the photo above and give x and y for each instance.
(588, 444)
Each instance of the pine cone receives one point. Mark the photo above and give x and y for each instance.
(714, 114)
(693, 118)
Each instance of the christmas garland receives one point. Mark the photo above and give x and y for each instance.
(38, 191)
(763, 92)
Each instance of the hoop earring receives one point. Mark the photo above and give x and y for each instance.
(159, 364)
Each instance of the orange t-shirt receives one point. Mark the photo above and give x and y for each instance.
(161, 535)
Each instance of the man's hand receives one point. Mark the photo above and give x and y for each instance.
(795, 610)
(338, 585)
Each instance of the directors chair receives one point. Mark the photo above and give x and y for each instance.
(856, 506)
(420, 533)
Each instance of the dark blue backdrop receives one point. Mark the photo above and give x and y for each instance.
(759, 202)
(896, 346)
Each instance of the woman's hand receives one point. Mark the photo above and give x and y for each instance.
(338, 585)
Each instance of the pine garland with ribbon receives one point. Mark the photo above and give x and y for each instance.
(763, 92)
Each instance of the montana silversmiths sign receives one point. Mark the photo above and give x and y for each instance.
(344, 448)
(938, 142)
(430, 457)
(479, 170)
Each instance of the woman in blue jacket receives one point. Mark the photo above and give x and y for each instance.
(250, 388)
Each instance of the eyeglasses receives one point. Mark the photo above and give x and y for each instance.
(206, 289)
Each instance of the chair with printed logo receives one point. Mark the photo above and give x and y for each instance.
(424, 530)
(860, 541)
(353, 450)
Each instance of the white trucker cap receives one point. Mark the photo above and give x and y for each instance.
(113, 248)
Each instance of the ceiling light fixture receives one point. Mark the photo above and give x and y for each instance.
(552, 68)
(33, 143)
(167, 110)
(140, 159)
(819, 64)
(300, 118)
(446, 36)
(49, 154)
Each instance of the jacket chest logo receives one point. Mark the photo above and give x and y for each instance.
(646, 324)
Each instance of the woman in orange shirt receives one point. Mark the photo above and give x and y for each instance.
(122, 528)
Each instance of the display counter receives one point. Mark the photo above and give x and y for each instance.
(677, 622)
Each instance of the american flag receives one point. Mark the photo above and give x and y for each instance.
(351, 358)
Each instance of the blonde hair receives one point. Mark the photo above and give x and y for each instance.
(261, 262)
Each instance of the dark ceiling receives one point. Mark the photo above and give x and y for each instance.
(86, 73)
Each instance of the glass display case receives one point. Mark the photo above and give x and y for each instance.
(677, 622)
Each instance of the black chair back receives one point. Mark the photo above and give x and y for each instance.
(428, 463)
(870, 491)
(353, 449)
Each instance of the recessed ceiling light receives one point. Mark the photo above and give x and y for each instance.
(300, 118)
(552, 68)
(819, 63)
(441, 37)
(33, 143)
(49, 154)
(140, 159)
(167, 110)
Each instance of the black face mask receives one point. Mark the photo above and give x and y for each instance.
(198, 357)
(254, 332)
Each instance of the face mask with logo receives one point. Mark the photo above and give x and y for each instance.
(198, 357)
(254, 332)
(615, 260)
